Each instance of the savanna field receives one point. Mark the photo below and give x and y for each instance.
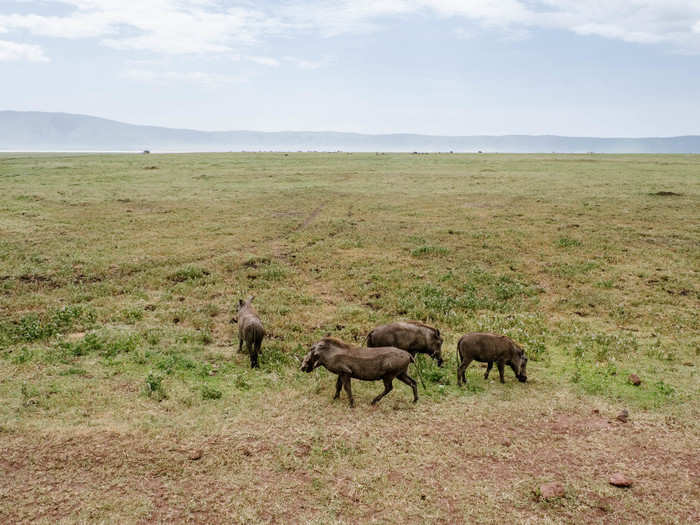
(123, 398)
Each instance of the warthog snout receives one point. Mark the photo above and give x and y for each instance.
(522, 376)
(436, 347)
(311, 360)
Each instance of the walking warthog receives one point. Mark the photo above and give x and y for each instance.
(412, 336)
(353, 362)
(490, 348)
(250, 330)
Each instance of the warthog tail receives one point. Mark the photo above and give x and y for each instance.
(257, 333)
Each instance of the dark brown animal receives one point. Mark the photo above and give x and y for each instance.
(353, 362)
(490, 348)
(250, 330)
(412, 336)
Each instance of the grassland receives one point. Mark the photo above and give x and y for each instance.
(119, 275)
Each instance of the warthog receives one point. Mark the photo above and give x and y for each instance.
(250, 330)
(353, 362)
(412, 336)
(490, 348)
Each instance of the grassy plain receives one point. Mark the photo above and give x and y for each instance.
(119, 275)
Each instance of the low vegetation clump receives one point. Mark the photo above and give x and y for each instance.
(188, 273)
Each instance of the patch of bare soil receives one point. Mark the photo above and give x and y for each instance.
(384, 465)
(310, 217)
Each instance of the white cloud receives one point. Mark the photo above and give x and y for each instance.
(160, 26)
(11, 51)
(175, 27)
(265, 61)
(192, 77)
(306, 64)
(667, 22)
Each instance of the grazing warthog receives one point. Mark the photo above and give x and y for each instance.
(353, 362)
(250, 330)
(490, 348)
(412, 336)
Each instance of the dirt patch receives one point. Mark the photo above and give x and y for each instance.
(375, 464)
(310, 218)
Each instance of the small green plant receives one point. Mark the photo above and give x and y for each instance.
(154, 387)
(425, 250)
(241, 382)
(120, 344)
(174, 361)
(568, 242)
(74, 371)
(209, 392)
(88, 344)
(273, 272)
(132, 315)
(23, 356)
(664, 389)
(188, 273)
(30, 395)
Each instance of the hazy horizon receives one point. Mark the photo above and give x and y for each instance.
(625, 68)
(340, 131)
(41, 131)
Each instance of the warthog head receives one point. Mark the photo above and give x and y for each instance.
(435, 345)
(312, 359)
(519, 363)
(247, 302)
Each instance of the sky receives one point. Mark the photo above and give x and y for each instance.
(609, 68)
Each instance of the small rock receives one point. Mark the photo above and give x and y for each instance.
(623, 416)
(506, 442)
(620, 480)
(634, 379)
(595, 411)
(196, 454)
(551, 490)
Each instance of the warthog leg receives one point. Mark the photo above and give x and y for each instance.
(253, 352)
(461, 375)
(387, 388)
(405, 378)
(240, 343)
(501, 366)
(489, 366)
(338, 386)
(348, 389)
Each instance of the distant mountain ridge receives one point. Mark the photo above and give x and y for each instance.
(43, 131)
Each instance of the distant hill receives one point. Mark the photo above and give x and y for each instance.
(41, 131)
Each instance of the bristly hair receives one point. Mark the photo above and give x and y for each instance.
(418, 323)
(338, 342)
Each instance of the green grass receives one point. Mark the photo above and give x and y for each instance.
(118, 284)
